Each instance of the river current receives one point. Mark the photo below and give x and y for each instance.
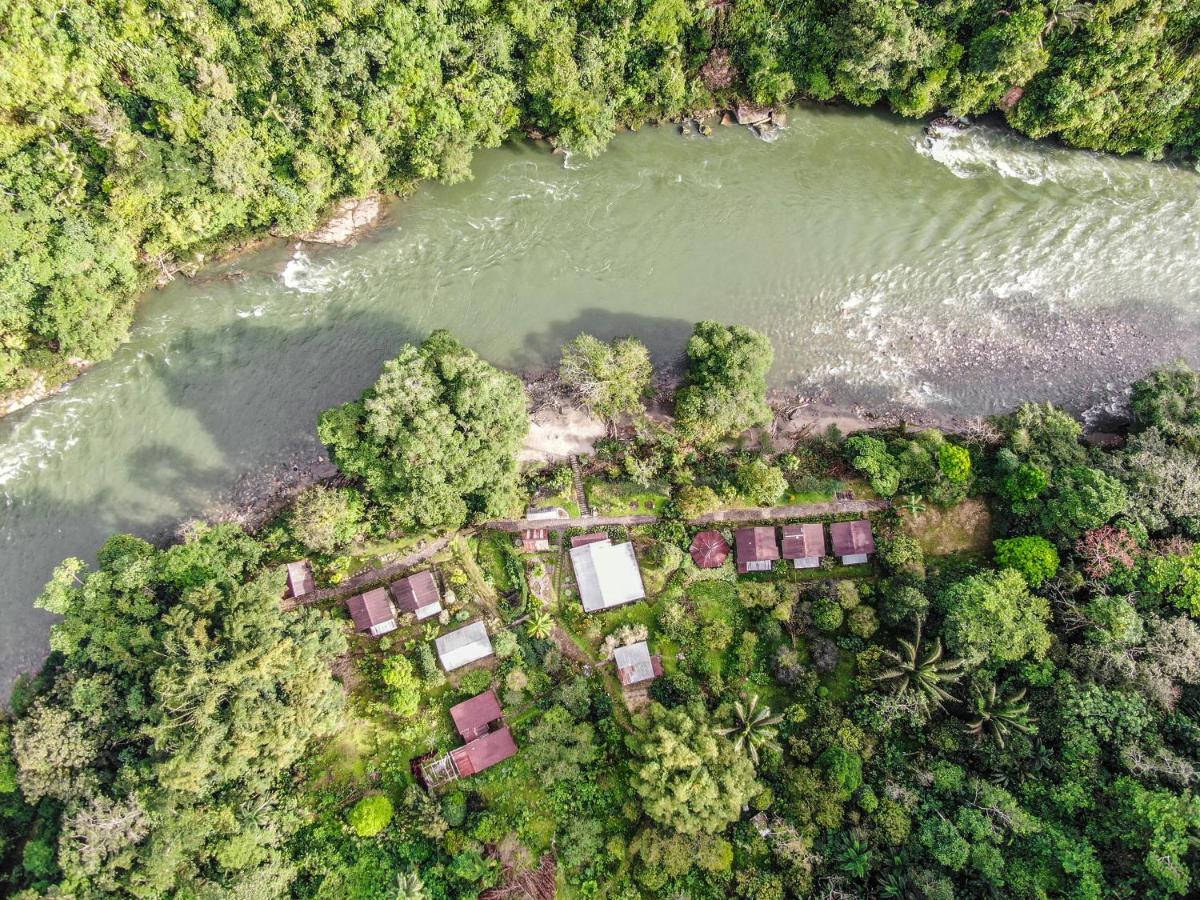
(962, 273)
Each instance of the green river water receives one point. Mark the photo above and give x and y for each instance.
(960, 273)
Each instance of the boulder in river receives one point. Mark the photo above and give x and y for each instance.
(350, 219)
(752, 114)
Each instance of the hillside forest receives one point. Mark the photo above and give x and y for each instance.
(138, 138)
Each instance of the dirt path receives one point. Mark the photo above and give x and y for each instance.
(756, 514)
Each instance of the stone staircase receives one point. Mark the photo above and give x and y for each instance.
(585, 510)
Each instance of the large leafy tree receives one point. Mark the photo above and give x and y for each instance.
(611, 379)
(726, 388)
(183, 699)
(689, 777)
(992, 617)
(435, 440)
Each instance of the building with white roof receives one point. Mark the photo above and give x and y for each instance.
(458, 648)
(607, 574)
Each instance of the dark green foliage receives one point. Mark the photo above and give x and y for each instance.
(226, 119)
(434, 442)
(726, 390)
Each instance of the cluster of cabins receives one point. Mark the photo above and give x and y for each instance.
(804, 545)
(607, 576)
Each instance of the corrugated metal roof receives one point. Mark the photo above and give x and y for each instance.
(803, 541)
(370, 609)
(300, 578)
(852, 538)
(418, 593)
(467, 644)
(607, 575)
(472, 717)
(633, 663)
(709, 550)
(484, 752)
(756, 544)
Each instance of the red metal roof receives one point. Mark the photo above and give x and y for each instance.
(484, 752)
(584, 539)
(416, 591)
(852, 538)
(803, 541)
(300, 578)
(756, 544)
(710, 550)
(472, 717)
(370, 609)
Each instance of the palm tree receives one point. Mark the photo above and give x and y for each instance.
(755, 727)
(923, 671)
(912, 505)
(995, 715)
(1066, 14)
(410, 887)
(540, 625)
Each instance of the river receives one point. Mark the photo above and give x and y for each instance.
(962, 274)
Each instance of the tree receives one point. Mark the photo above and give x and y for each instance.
(435, 440)
(869, 456)
(689, 778)
(1168, 400)
(955, 462)
(611, 379)
(558, 747)
(326, 519)
(1103, 550)
(923, 670)
(694, 501)
(762, 484)
(725, 392)
(1024, 483)
(371, 815)
(996, 715)
(1080, 499)
(1033, 556)
(992, 617)
(753, 728)
(404, 687)
(410, 887)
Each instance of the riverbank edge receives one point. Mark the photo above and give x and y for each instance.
(763, 121)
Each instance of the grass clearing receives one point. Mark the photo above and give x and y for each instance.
(964, 528)
(624, 498)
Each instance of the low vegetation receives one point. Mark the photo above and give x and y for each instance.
(1011, 714)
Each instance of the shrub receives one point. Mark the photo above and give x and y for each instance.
(869, 456)
(475, 682)
(404, 688)
(901, 553)
(1033, 556)
(326, 519)
(454, 808)
(955, 462)
(763, 485)
(861, 621)
(903, 603)
(827, 614)
(694, 501)
(371, 815)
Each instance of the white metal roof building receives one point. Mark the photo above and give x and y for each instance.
(634, 664)
(467, 644)
(607, 574)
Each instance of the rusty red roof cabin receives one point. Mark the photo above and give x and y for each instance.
(474, 717)
(757, 548)
(804, 544)
(372, 612)
(709, 550)
(852, 541)
(582, 540)
(418, 593)
(483, 753)
(299, 579)
(535, 540)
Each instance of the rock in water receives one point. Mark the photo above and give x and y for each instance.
(350, 218)
(749, 114)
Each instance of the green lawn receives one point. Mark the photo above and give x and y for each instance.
(624, 498)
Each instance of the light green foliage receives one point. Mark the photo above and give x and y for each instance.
(1163, 824)
(993, 617)
(726, 385)
(862, 621)
(762, 484)
(1033, 556)
(1024, 482)
(869, 456)
(954, 462)
(403, 685)
(696, 500)
(371, 815)
(688, 777)
(326, 519)
(827, 614)
(558, 747)
(435, 440)
(611, 379)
